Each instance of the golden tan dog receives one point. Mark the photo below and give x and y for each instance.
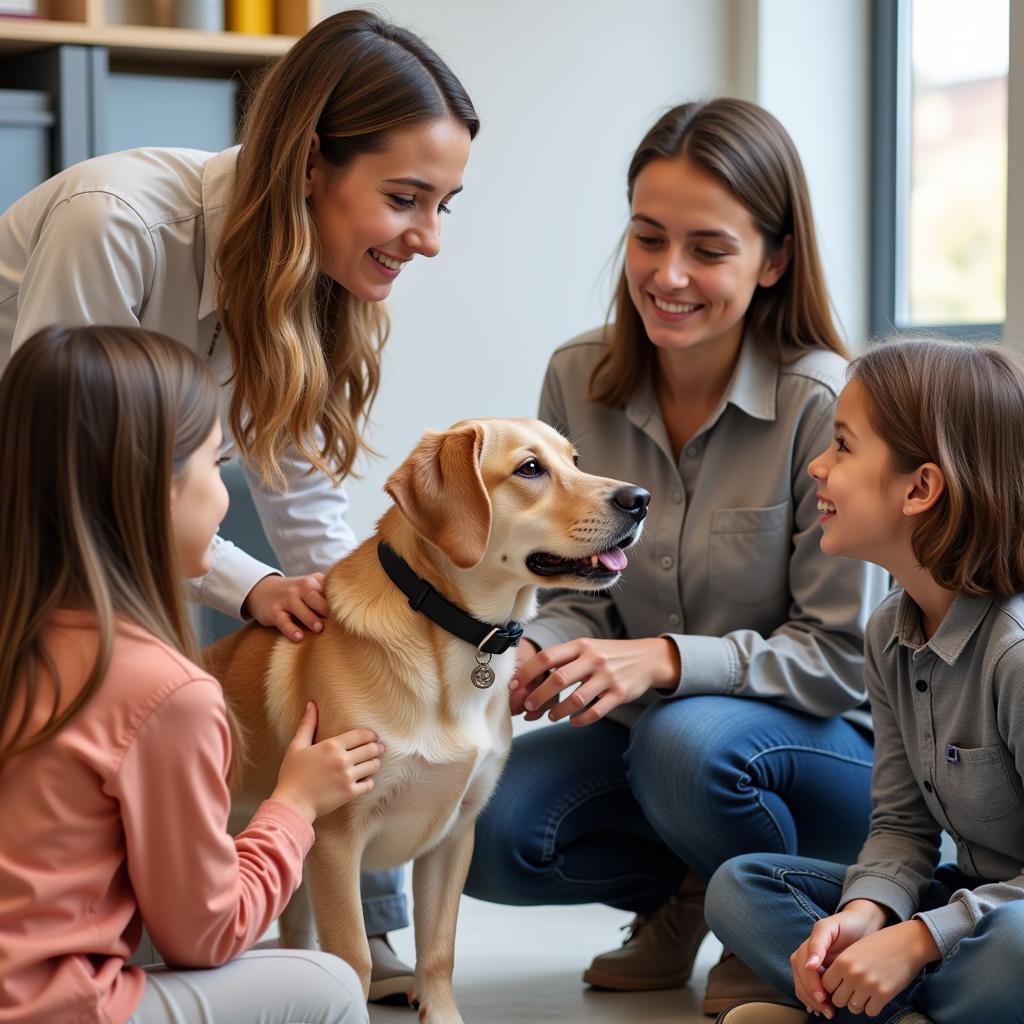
(485, 512)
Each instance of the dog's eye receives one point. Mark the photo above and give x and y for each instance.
(575, 459)
(530, 468)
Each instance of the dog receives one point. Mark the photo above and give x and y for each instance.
(483, 515)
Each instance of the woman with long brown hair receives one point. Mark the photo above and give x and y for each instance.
(270, 262)
(114, 744)
(719, 700)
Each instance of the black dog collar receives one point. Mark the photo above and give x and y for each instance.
(425, 599)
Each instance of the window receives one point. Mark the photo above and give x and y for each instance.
(940, 165)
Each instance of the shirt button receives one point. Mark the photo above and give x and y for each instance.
(677, 497)
(693, 451)
(921, 686)
(673, 619)
(927, 786)
(666, 561)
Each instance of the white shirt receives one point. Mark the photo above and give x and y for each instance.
(131, 239)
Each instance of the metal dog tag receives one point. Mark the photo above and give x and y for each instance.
(482, 676)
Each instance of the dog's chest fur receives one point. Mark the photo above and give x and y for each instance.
(444, 754)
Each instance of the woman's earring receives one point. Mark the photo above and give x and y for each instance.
(907, 510)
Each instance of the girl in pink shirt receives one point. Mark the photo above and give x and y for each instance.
(115, 747)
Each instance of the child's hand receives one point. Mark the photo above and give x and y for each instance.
(878, 967)
(317, 778)
(828, 938)
(288, 603)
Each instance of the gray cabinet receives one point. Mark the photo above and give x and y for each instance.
(167, 110)
(26, 121)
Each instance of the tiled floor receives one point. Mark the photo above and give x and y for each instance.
(524, 964)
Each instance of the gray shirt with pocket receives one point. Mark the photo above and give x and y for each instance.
(729, 566)
(949, 755)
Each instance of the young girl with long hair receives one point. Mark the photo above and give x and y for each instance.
(270, 262)
(114, 745)
(923, 478)
(718, 705)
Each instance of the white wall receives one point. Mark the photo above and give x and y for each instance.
(813, 73)
(565, 90)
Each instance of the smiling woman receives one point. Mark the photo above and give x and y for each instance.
(372, 218)
(710, 698)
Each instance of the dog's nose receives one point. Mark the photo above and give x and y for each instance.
(633, 500)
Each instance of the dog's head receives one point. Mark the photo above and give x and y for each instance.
(508, 495)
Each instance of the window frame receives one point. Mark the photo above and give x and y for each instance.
(890, 178)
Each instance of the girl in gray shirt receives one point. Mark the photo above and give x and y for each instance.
(923, 478)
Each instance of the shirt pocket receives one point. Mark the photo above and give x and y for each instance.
(978, 787)
(750, 552)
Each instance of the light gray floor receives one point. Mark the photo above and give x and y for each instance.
(524, 964)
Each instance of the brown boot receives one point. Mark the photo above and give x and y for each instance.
(660, 948)
(731, 981)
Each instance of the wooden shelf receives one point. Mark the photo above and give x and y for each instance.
(20, 35)
(84, 23)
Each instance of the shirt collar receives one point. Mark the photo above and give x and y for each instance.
(752, 388)
(218, 180)
(962, 620)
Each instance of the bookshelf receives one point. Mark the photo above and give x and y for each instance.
(96, 23)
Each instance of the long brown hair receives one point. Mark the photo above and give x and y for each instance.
(750, 152)
(95, 424)
(306, 352)
(960, 406)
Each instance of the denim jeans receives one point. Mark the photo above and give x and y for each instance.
(763, 907)
(385, 908)
(608, 814)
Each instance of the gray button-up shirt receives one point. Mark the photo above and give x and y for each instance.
(949, 754)
(729, 566)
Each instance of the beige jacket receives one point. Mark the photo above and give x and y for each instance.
(729, 565)
(131, 239)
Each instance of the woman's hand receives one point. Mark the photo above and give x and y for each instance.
(610, 673)
(525, 650)
(288, 602)
(828, 939)
(868, 974)
(317, 778)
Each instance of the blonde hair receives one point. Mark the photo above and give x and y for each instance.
(752, 155)
(960, 406)
(306, 352)
(95, 423)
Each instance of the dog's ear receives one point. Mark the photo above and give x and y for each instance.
(440, 490)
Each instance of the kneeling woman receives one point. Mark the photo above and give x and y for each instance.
(721, 682)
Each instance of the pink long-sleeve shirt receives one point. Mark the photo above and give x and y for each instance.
(122, 817)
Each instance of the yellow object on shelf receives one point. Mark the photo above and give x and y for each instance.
(254, 17)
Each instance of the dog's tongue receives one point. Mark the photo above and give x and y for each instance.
(614, 560)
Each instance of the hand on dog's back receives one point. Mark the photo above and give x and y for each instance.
(319, 777)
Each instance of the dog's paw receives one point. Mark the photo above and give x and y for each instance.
(436, 1011)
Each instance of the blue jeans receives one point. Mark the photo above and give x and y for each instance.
(608, 814)
(385, 907)
(763, 907)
